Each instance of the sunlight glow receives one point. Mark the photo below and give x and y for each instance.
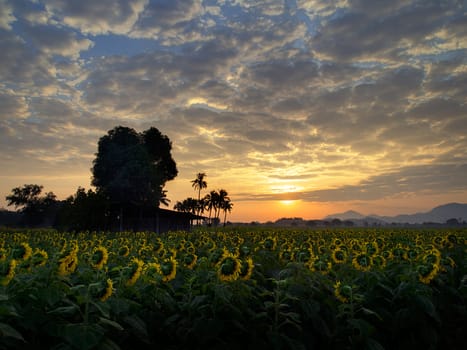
(202, 102)
(288, 202)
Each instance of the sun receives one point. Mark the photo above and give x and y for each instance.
(287, 202)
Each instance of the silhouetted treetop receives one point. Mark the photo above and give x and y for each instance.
(132, 167)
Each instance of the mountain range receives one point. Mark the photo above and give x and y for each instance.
(438, 214)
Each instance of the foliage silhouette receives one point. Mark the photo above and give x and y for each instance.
(36, 209)
(131, 169)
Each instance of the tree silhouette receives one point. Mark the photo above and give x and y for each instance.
(33, 206)
(215, 201)
(227, 207)
(131, 168)
(198, 184)
(188, 205)
(84, 211)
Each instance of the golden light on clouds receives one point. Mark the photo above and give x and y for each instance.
(289, 202)
(203, 102)
(272, 110)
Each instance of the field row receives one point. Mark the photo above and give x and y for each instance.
(294, 289)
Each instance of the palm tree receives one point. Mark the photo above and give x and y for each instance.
(210, 201)
(226, 207)
(199, 184)
(222, 197)
(163, 198)
(188, 205)
(180, 206)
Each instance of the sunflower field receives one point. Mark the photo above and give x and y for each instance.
(231, 289)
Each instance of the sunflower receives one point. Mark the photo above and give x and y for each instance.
(338, 256)
(426, 272)
(342, 292)
(216, 255)
(246, 269)
(3, 254)
(438, 241)
(432, 256)
(355, 246)
(337, 241)
(379, 261)
(68, 264)
(39, 258)
(108, 290)
(319, 264)
(152, 271)
(22, 252)
(399, 253)
(304, 255)
(362, 262)
(448, 261)
(8, 272)
(143, 251)
(372, 248)
(228, 267)
(99, 257)
(269, 243)
(190, 249)
(452, 239)
(124, 251)
(168, 269)
(286, 255)
(134, 271)
(412, 253)
(189, 260)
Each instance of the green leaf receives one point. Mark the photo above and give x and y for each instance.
(64, 310)
(371, 312)
(107, 322)
(83, 336)
(427, 306)
(62, 346)
(363, 326)
(108, 344)
(372, 344)
(8, 331)
(137, 325)
(103, 310)
(8, 310)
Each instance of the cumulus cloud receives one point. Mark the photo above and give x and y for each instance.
(6, 15)
(362, 100)
(97, 17)
(56, 41)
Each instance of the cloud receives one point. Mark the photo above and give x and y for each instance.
(408, 181)
(176, 20)
(363, 100)
(12, 106)
(366, 31)
(6, 15)
(97, 17)
(56, 41)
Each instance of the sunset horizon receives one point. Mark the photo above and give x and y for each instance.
(295, 108)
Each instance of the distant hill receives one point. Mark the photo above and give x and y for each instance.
(438, 214)
(348, 215)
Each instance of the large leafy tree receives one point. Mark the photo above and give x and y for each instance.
(132, 168)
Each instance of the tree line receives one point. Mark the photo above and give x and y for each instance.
(129, 173)
(214, 202)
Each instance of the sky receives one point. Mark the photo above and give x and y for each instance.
(297, 108)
